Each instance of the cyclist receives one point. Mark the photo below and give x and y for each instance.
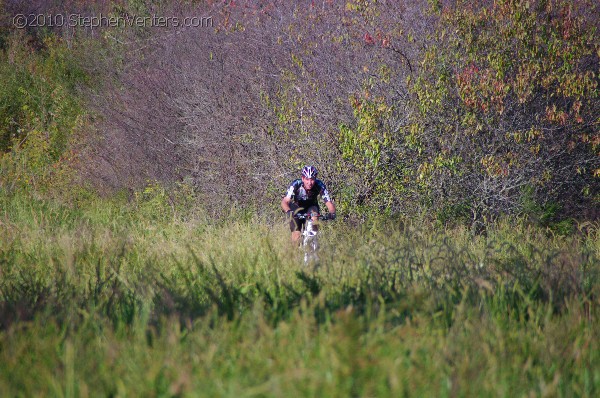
(301, 198)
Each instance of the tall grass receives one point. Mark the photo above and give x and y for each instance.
(110, 300)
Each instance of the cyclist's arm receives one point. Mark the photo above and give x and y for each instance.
(327, 198)
(330, 206)
(285, 204)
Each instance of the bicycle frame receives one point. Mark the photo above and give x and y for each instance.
(310, 241)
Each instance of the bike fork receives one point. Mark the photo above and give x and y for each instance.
(310, 244)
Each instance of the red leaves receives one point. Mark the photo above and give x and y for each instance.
(567, 22)
(380, 39)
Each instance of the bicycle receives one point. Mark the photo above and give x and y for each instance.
(310, 241)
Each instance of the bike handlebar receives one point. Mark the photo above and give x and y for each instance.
(304, 216)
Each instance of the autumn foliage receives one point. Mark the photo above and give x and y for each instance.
(452, 110)
(508, 116)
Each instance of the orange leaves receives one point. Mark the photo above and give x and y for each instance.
(577, 84)
(576, 111)
(495, 166)
(467, 84)
(555, 115)
(526, 80)
(481, 90)
(593, 140)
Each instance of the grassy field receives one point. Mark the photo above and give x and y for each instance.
(118, 299)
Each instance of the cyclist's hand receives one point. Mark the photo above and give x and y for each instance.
(331, 216)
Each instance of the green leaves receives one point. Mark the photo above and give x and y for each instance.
(368, 146)
(40, 113)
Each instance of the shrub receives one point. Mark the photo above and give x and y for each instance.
(507, 100)
(40, 113)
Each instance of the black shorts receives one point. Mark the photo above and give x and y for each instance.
(296, 224)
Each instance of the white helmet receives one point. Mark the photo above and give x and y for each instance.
(309, 172)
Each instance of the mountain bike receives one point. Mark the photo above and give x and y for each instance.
(310, 241)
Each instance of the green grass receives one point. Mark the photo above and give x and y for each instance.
(109, 300)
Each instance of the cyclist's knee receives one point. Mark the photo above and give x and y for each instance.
(296, 236)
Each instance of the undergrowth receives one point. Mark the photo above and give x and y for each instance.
(106, 300)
